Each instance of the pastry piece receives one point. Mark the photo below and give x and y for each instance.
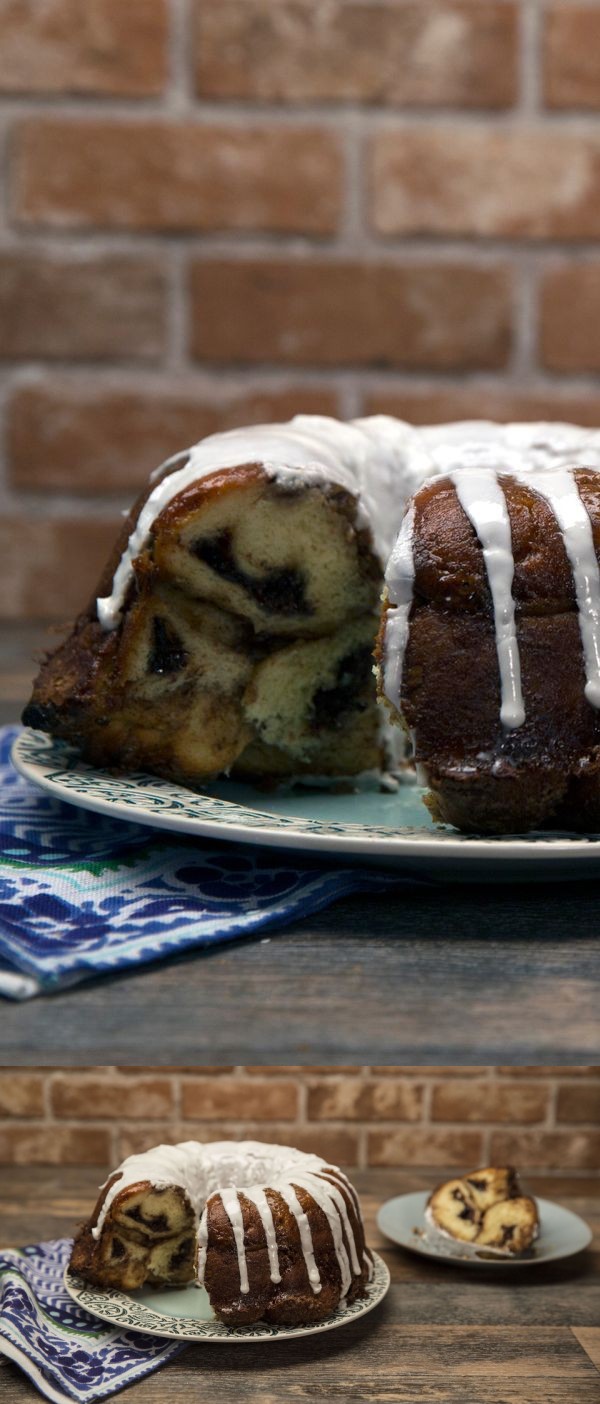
(489, 650)
(512, 1224)
(233, 628)
(485, 1208)
(271, 1232)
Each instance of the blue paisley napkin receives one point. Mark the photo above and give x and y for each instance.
(67, 1353)
(82, 895)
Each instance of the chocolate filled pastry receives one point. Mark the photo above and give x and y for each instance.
(233, 628)
(272, 1233)
(485, 1208)
(489, 650)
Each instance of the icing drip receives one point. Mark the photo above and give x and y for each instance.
(399, 578)
(288, 1193)
(559, 489)
(232, 1207)
(483, 500)
(324, 1196)
(202, 1246)
(259, 1198)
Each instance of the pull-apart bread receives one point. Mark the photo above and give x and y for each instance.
(234, 625)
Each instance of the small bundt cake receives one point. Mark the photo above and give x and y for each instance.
(489, 649)
(272, 1233)
(486, 1208)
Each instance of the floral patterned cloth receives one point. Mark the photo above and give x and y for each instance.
(67, 1353)
(81, 894)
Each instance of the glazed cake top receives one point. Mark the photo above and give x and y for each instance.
(380, 460)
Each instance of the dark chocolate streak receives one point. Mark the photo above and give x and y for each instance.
(117, 1249)
(281, 590)
(167, 654)
(352, 677)
(182, 1252)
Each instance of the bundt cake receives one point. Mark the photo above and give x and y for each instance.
(233, 628)
(486, 1208)
(489, 649)
(272, 1233)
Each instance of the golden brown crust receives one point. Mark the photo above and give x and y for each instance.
(481, 776)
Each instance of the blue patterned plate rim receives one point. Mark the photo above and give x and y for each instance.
(57, 768)
(120, 1309)
(562, 1234)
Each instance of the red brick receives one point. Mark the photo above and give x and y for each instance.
(439, 404)
(412, 1147)
(101, 307)
(93, 1098)
(21, 1094)
(167, 175)
(522, 182)
(571, 56)
(351, 1099)
(102, 46)
(579, 1102)
(570, 316)
(74, 434)
(320, 313)
(53, 1145)
(548, 1150)
(34, 581)
(458, 1100)
(234, 1097)
(410, 52)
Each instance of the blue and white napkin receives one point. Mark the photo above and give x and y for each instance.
(68, 1354)
(83, 895)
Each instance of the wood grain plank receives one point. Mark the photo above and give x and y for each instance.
(589, 1338)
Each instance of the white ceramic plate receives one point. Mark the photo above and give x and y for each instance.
(562, 1234)
(390, 829)
(186, 1314)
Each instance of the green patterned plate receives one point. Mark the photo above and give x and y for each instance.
(186, 1315)
(390, 829)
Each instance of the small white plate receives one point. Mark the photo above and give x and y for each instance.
(185, 1314)
(387, 829)
(562, 1233)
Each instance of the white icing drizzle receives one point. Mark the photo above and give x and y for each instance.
(259, 1199)
(202, 1245)
(481, 497)
(288, 1194)
(231, 1204)
(399, 579)
(324, 1196)
(371, 458)
(559, 489)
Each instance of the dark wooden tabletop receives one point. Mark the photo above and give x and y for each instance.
(443, 1335)
(469, 973)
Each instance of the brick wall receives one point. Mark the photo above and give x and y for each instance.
(545, 1119)
(218, 211)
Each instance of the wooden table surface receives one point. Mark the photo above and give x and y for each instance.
(443, 1335)
(462, 974)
